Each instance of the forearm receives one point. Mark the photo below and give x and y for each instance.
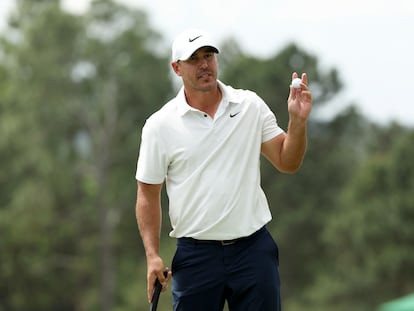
(294, 145)
(148, 214)
(149, 219)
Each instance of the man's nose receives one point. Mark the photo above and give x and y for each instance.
(203, 63)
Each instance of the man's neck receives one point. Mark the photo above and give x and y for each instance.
(206, 101)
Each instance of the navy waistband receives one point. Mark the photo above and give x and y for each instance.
(221, 242)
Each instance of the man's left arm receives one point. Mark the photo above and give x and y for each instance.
(286, 151)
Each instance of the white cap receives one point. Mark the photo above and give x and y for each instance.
(189, 41)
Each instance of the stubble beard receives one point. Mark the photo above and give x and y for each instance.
(206, 82)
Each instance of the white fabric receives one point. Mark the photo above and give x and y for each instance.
(211, 166)
(189, 41)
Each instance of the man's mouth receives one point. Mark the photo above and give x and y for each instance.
(204, 75)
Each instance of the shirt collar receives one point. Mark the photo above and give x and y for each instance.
(228, 97)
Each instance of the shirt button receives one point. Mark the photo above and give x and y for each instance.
(205, 115)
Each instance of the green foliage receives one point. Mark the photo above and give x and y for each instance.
(369, 235)
(73, 100)
(74, 93)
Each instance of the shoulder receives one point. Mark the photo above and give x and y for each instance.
(163, 115)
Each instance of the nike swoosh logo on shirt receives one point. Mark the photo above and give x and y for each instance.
(234, 114)
(191, 40)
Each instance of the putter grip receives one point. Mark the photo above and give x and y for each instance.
(156, 293)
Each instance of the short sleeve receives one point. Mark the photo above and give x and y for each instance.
(152, 161)
(270, 127)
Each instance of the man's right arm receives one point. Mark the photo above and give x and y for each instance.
(148, 213)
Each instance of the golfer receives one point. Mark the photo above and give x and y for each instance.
(205, 144)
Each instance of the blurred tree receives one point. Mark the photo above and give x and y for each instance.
(75, 90)
(370, 234)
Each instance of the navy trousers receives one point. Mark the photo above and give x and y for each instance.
(244, 273)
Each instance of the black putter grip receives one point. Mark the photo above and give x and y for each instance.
(156, 293)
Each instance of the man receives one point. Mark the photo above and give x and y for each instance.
(206, 144)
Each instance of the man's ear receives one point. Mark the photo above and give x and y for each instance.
(176, 67)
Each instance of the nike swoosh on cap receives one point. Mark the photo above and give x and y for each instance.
(234, 114)
(191, 40)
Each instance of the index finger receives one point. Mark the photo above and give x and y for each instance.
(167, 277)
(305, 78)
(162, 276)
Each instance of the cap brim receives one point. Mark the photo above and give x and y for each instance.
(188, 54)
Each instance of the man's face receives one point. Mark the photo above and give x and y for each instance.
(199, 72)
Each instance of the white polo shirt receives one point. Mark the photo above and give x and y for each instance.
(211, 166)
